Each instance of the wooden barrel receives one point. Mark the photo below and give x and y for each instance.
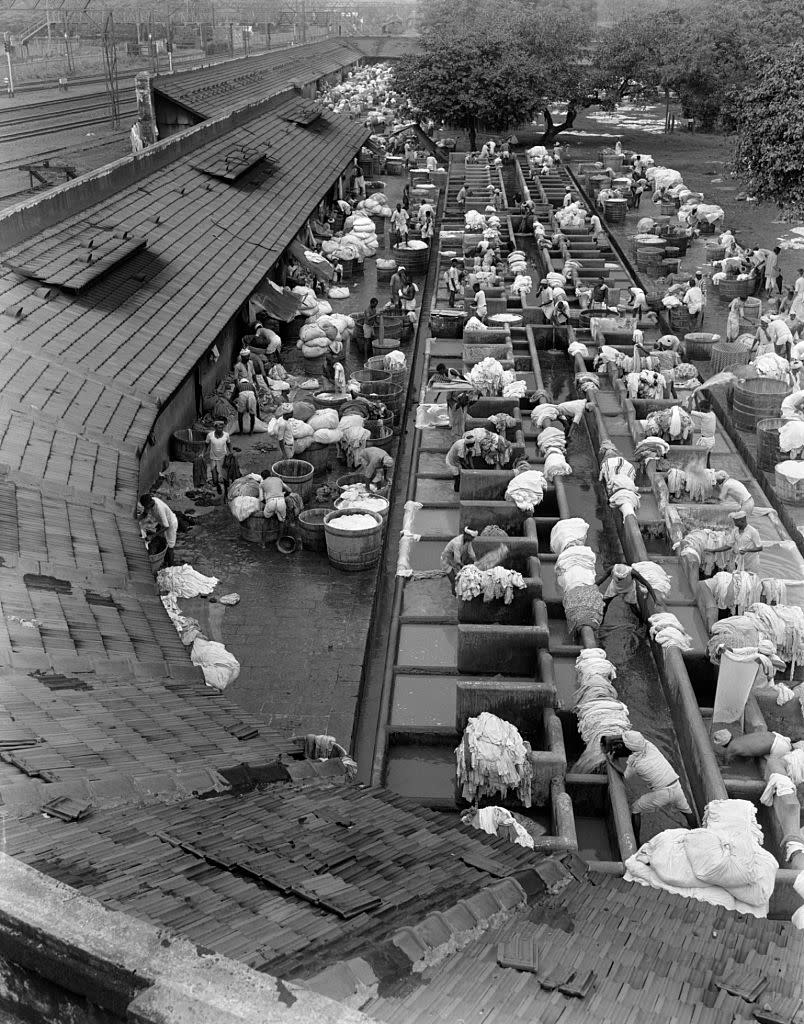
(768, 451)
(391, 325)
(731, 288)
(414, 260)
(353, 550)
(669, 266)
(615, 210)
(350, 478)
(705, 228)
(397, 376)
(188, 444)
(330, 399)
(392, 395)
(297, 474)
(311, 528)
(381, 436)
(368, 377)
(259, 530)
(790, 491)
(698, 345)
(381, 506)
(680, 242)
(728, 353)
(320, 457)
(668, 209)
(756, 400)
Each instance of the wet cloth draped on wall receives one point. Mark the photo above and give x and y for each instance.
(599, 710)
(492, 759)
(492, 584)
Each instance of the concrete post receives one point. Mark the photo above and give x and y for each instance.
(145, 108)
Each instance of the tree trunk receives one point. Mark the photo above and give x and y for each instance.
(473, 135)
(552, 130)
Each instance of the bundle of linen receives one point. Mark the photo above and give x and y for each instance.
(722, 863)
(667, 631)
(492, 759)
(526, 490)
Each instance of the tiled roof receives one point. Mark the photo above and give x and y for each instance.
(216, 90)
(300, 874)
(143, 327)
(96, 689)
(655, 957)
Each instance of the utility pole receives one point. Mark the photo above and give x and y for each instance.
(303, 21)
(110, 68)
(49, 35)
(7, 48)
(152, 44)
(70, 65)
(231, 39)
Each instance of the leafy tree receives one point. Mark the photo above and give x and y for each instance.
(770, 124)
(468, 81)
(501, 63)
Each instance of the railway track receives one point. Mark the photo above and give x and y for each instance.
(49, 117)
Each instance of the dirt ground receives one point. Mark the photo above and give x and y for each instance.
(703, 161)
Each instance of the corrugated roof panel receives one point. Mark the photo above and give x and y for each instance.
(74, 260)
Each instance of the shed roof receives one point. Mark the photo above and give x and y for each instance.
(209, 92)
(96, 689)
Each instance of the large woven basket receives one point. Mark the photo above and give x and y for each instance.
(188, 444)
(698, 345)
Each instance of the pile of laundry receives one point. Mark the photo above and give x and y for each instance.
(607, 356)
(695, 483)
(526, 489)
(618, 476)
(497, 821)
(722, 863)
(650, 449)
(791, 439)
(667, 631)
(552, 443)
(674, 424)
(712, 549)
(491, 759)
(495, 449)
(220, 667)
(645, 384)
(598, 707)
(493, 584)
(488, 376)
(737, 591)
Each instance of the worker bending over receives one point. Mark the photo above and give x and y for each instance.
(458, 553)
(635, 757)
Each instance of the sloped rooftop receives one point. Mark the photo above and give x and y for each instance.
(655, 957)
(290, 878)
(216, 90)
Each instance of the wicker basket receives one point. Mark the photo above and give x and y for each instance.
(789, 491)
(377, 428)
(259, 530)
(680, 319)
(731, 288)
(188, 444)
(378, 363)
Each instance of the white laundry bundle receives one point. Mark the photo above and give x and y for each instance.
(577, 348)
(556, 465)
(568, 531)
(575, 567)
(667, 631)
(492, 759)
(220, 667)
(492, 584)
(552, 439)
(491, 819)
(597, 706)
(722, 863)
(184, 581)
(513, 388)
(791, 438)
(540, 413)
(526, 490)
(486, 377)
(243, 507)
(656, 576)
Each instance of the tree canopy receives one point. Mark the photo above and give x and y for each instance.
(770, 123)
